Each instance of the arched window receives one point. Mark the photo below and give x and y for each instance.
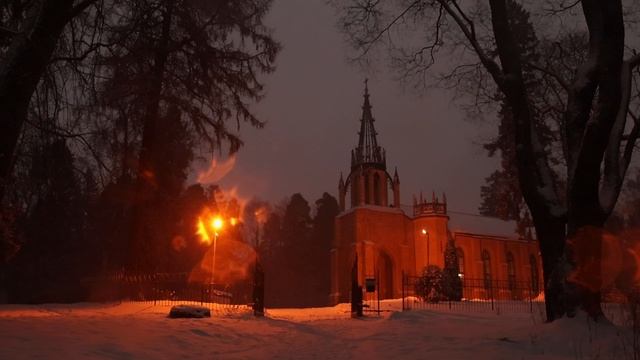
(460, 255)
(535, 280)
(511, 271)
(486, 269)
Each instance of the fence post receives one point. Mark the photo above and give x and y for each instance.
(378, 290)
(258, 290)
(491, 294)
(403, 291)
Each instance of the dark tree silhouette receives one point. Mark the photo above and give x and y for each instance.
(451, 282)
(429, 285)
(30, 32)
(321, 241)
(201, 58)
(295, 252)
(55, 253)
(272, 256)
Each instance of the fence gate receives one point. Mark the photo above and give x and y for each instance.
(371, 295)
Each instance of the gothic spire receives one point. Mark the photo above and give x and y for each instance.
(368, 150)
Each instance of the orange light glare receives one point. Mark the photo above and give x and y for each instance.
(217, 223)
(424, 231)
(233, 221)
(204, 236)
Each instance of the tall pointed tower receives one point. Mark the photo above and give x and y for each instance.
(368, 180)
(368, 229)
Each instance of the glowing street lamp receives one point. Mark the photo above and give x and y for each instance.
(217, 223)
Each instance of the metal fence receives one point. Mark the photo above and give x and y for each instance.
(478, 295)
(481, 296)
(166, 289)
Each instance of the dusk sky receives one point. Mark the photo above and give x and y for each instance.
(313, 106)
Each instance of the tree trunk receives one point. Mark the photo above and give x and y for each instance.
(551, 239)
(140, 254)
(20, 73)
(590, 117)
(583, 275)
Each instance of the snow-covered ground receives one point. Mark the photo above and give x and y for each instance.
(143, 331)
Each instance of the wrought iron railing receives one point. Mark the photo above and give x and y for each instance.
(476, 295)
(164, 289)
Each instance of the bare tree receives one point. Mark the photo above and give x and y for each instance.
(598, 131)
(29, 31)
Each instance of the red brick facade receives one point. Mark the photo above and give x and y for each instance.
(390, 243)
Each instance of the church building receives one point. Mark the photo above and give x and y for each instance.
(389, 242)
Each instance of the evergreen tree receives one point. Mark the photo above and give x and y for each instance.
(297, 250)
(272, 255)
(55, 255)
(451, 282)
(429, 286)
(322, 240)
(501, 195)
(160, 220)
(110, 219)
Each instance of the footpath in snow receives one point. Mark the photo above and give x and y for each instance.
(143, 331)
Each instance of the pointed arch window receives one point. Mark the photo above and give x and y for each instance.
(511, 271)
(486, 269)
(535, 279)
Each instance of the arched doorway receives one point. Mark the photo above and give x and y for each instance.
(385, 273)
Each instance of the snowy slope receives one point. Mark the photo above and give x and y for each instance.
(142, 331)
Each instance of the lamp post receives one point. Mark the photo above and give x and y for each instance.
(217, 224)
(258, 280)
(425, 232)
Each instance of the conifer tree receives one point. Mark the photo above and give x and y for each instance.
(451, 282)
(429, 286)
(321, 241)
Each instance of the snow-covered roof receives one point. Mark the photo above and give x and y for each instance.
(482, 225)
(387, 209)
(459, 222)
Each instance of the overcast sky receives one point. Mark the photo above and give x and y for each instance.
(313, 106)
